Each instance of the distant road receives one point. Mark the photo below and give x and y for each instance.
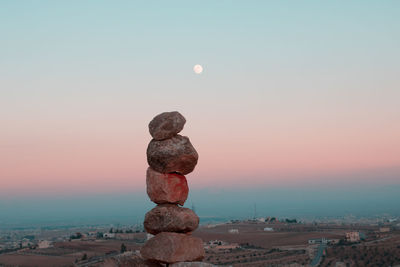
(317, 257)
(378, 240)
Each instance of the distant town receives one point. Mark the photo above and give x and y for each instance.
(264, 241)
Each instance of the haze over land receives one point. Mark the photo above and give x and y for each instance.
(218, 205)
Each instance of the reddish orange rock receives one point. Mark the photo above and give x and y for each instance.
(170, 218)
(173, 247)
(166, 187)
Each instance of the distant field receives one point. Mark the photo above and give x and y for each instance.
(18, 259)
(99, 247)
(65, 253)
(255, 235)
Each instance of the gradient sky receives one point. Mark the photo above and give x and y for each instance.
(293, 93)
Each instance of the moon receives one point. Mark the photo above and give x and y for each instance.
(198, 69)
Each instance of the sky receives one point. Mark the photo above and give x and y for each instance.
(294, 94)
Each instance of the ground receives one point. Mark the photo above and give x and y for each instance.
(287, 245)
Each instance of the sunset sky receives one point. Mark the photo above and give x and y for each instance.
(293, 93)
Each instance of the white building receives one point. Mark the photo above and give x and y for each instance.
(268, 229)
(233, 231)
(352, 236)
(318, 241)
(384, 229)
(109, 235)
(44, 244)
(25, 242)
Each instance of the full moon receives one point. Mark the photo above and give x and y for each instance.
(198, 69)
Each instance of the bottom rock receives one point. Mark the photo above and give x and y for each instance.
(128, 259)
(192, 264)
(173, 247)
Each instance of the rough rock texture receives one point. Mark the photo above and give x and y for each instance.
(166, 187)
(128, 259)
(170, 218)
(192, 264)
(166, 125)
(125, 262)
(172, 155)
(173, 247)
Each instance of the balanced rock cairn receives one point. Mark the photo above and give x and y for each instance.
(170, 156)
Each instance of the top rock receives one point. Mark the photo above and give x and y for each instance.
(166, 125)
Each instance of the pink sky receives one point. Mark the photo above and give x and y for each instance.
(98, 157)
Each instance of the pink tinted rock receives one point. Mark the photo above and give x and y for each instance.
(173, 247)
(166, 187)
(172, 155)
(170, 218)
(128, 260)
(166, 125)
(192, 264)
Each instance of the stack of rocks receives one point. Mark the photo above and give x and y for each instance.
(170, 156)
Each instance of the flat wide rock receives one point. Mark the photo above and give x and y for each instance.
(192, 264)
(172, 155)
(170, 218)
(173, 247)
(166, 125)
(166, 187)
(125, 261)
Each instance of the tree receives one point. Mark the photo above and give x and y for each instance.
(76, 236)
(123, 248)
(84, 257)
